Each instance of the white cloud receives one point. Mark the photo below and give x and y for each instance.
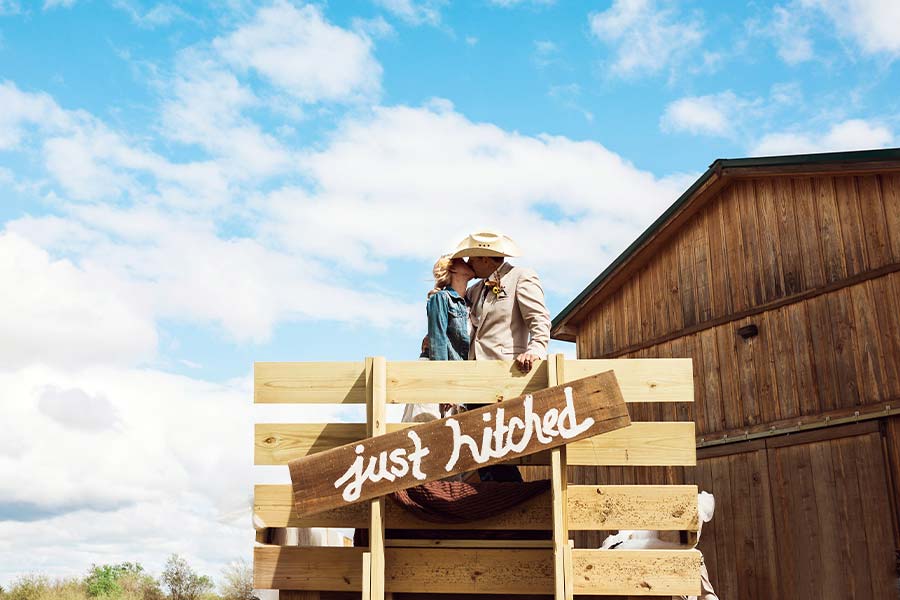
(415, 12)
(10, 7)
(647, 39)
(715, 114)
(514, 3)
(871, 24)
(373, 28)
(790, 30)
(67, 315)
(204, 106)
(22, 110)
(50, 4)
(424, 177)
(171, 473)
(160, 14)
(852, 134)
(298, 51)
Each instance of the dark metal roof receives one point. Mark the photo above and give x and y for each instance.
(720, 164)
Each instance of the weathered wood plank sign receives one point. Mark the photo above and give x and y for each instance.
(485, 436)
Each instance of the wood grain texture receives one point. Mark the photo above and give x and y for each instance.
(480, 571)
(309, 382)
(594, 402)
(642, 443)
(890, 195)
(475, 382)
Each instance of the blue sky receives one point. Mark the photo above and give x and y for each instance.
(188, 187)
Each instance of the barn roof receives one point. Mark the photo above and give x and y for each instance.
(716, 176)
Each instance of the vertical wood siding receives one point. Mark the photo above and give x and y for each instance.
(758, 241)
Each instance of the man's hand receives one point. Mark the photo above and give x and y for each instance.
(525, 361)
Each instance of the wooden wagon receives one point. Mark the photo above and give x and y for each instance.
(476, 568)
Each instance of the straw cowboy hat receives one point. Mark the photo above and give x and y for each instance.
(486, 243)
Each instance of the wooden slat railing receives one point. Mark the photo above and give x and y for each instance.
(482, 568)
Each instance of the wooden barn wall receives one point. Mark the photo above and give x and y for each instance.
(834, 352)
(758, 242)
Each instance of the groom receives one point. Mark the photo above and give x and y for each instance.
(507, 310)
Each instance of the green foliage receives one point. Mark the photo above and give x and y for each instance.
(105, 580)
(238, 583)
(182, 582)
(29, 587)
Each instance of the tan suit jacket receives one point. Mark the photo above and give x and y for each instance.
(514, 322)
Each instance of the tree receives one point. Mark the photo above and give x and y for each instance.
(103, 580)
(181, 580)
(238, 583)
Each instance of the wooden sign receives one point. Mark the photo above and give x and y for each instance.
(485, 436)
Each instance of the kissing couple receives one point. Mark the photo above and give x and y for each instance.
(502, 316)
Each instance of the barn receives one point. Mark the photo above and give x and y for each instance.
(780, 278)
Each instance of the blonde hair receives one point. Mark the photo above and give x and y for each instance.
(441, 272)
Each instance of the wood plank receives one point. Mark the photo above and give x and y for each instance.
(637, 572)
(784, 530)
(720, 284)
(673, 294)
(823, 353)
(481, 382)
(751, 240)
(461, 381)
(712, 384)
(734, 249)
(811, 254)
(870, 473)
(376, 425)
(789, 241)
(763, 525)
(763, 346)
(309, 382)
(852, 232)
(430, 451)
(562, 570)
(643, 443)
(479, 571)
(701, 266)
(868, 352)
(726, 508)
(892, 463)
(589, 507)
(805, 519)
(831, 531)
(887, 306)
(845, 344)
(640, 444)
(874, 221)
(745, 550)
(850, 499)
(746, 374)
(631, 313)
(709, 535)
(786, 401)
(686, 286)
(642, 380)
(801, 343)
(832, 245)
(890, 195)
(465, 381)
(769, 241)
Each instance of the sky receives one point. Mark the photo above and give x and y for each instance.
(187, 188)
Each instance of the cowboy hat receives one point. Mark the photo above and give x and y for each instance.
(486, 243)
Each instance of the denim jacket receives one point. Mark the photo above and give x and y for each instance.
(448, 325)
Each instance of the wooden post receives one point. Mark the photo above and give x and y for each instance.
(376, 395)
(562, 562)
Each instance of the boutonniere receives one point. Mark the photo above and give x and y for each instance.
(498, 290)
